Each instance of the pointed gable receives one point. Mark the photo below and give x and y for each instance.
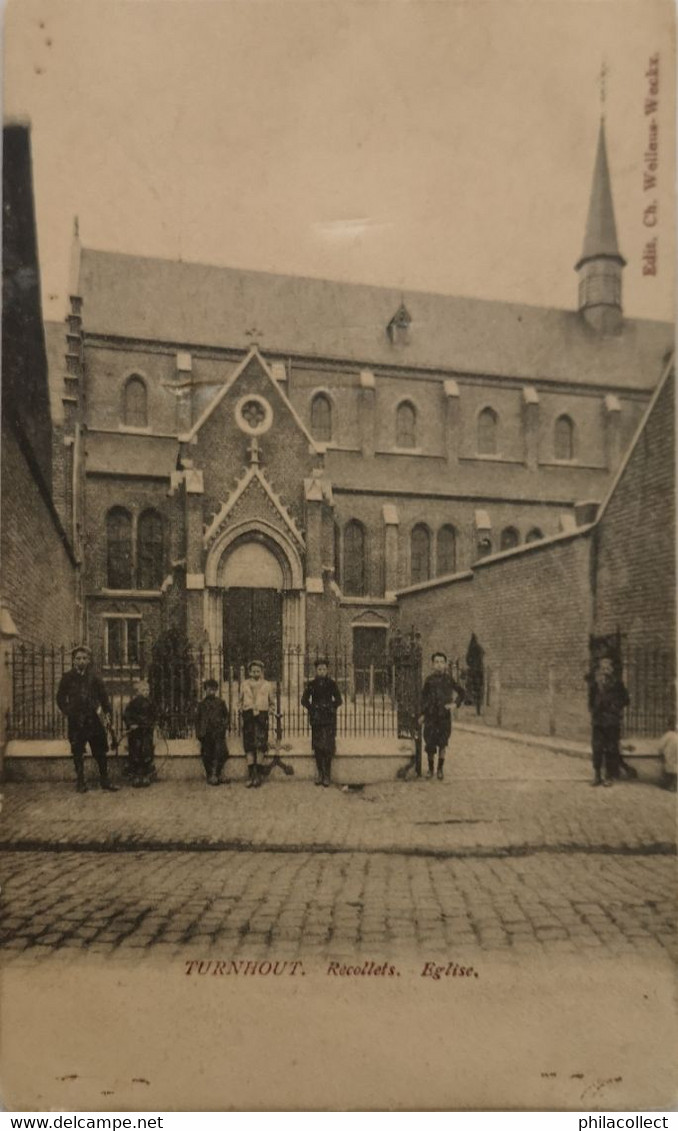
(253, 500)
(252, 361)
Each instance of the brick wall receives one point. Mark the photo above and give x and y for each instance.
(636, 537)
(38, 576)
(530, 611)
(531, 614)
(443, 615)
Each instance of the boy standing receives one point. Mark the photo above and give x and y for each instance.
(322, 700)
(139, 718)
(210, 727)
(82, 698)
(436, 711)
(257, 700)
(607, 699)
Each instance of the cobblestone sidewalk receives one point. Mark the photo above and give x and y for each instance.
(497, 798)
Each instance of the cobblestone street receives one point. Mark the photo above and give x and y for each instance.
(513, 853)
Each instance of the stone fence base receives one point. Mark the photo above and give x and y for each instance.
(357, 762)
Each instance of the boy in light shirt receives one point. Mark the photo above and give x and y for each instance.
(257, 701)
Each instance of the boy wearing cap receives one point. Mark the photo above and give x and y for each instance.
(81, 697)
(139, 718)
(257, 700)
(210, 727)
(607, 700)
(436, 711)
(322, 700)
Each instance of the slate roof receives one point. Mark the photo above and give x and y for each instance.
(193, 304)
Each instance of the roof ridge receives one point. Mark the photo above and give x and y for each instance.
(398, 291)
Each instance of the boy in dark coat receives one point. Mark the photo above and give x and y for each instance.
(210, 727)
(322, 700)
(82, 697)
(607, 699)
(436, 711)
(139, 718)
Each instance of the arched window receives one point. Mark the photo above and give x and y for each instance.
(321, 418)
(150, 551)
(484, 547)
(119, 549)
(406, 425)
(509, 538)
(487, 432)
(420, 554)
(355, 559)
(534, 535)
(135, 403)
(446, 557)
(563, 438)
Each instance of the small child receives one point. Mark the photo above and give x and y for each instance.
(437, 701)
(257, 699)
(211, 725)
(139, 717)
(668, 750)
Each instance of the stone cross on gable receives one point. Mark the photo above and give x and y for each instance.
(253, 450)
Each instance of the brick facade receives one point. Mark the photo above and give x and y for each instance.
(39, 572)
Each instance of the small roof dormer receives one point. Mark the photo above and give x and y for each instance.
(398, 329)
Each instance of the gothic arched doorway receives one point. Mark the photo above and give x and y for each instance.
(254, 603)
(251, 579)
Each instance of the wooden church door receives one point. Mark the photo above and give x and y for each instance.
(253, 629)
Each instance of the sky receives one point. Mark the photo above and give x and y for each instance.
(422, 144)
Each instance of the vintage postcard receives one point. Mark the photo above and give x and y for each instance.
(338, 556)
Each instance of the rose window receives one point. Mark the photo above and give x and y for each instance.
(253, 414)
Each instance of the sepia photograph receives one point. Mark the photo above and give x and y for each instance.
(338, 599)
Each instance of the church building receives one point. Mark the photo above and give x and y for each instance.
(263, 461)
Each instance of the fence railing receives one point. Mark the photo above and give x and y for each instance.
(176, 686)
(380, 698)
(650, 678)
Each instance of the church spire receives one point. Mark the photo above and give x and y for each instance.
(600, 238)
(600, 264)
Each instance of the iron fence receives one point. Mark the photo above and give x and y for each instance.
(650, 678)
(369, 693)
(380, 699)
